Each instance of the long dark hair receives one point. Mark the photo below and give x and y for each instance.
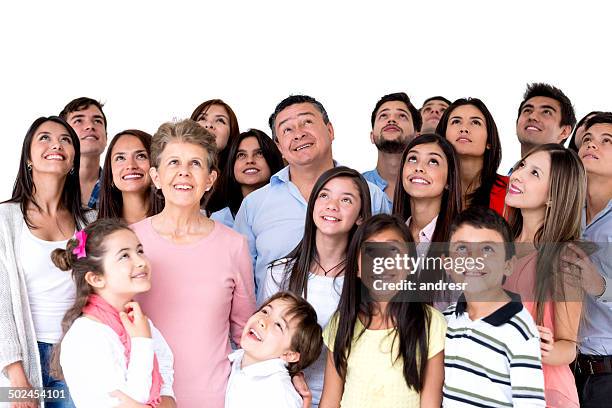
(451, 196)
(301, 260)
(111, 198)
(24, 188)
(227, 191)
(93, 262)
(411, 319)
(492, 155)
(234, 130)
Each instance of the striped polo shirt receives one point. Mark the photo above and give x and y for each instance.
(494, 361)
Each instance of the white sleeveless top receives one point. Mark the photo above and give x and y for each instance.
(51, 291)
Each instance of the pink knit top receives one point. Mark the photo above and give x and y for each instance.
(201, 294)
(560, 387)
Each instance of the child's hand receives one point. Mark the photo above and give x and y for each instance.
(134, 321)
(299, 382)
(126, 402)
(547, 341)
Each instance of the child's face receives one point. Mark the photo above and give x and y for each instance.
(378, 281)
(486, 248)
(425, 171)
(126, 269)
(268, 333)
(336, 208)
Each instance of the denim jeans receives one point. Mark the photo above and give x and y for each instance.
(50, 382)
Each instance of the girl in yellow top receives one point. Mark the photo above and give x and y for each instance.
(384, 350)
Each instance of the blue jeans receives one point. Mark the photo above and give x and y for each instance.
(45, 359)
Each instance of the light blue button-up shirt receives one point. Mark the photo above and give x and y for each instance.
(272, 218)
(595, 334)
(224, 216)
(373, 177)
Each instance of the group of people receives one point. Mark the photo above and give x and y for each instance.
(247, 253)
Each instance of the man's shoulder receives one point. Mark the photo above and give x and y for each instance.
(259, 195)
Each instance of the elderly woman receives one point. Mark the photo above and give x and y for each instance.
(203, 288)
(126, 184)
(43, 213)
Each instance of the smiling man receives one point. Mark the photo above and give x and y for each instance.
(395, 122)
(86, 117)
(272, 218)
(546, 115)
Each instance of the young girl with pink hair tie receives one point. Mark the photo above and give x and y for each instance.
(111, 354)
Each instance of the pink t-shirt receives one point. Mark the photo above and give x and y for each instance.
(560, 387)
(201, 293)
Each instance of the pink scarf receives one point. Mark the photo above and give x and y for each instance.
(105, 313)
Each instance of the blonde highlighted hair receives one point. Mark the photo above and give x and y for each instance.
(561, 225)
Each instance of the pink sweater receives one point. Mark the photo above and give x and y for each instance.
(201, 293)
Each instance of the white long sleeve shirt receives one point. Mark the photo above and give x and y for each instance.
(93, 362)
(324, 296)
(260, 385)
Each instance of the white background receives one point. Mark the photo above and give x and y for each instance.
(150, 62)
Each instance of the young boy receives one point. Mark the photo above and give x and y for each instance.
(492, 350)
(278, 341)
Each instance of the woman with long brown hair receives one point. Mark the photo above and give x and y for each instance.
(469, 126)
(544, 203)
(126, 185)
(428, 192)
(42, 214)
(218, 118)
(253, 159)
(428, 197)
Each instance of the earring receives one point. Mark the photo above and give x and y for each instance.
(72, 171)
(29, 166)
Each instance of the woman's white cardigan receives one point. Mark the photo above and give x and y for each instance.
(17, 335)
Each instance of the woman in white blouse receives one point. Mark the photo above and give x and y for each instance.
(42, 214)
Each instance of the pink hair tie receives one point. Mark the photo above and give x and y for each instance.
(79, 251)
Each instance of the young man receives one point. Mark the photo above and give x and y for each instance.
(395, 122)
(432, 111)
(492, 351)
(594, 361)
(272, 218)
(546, 115)
(86, 117)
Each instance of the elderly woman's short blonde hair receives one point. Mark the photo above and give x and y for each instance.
(185, 131)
